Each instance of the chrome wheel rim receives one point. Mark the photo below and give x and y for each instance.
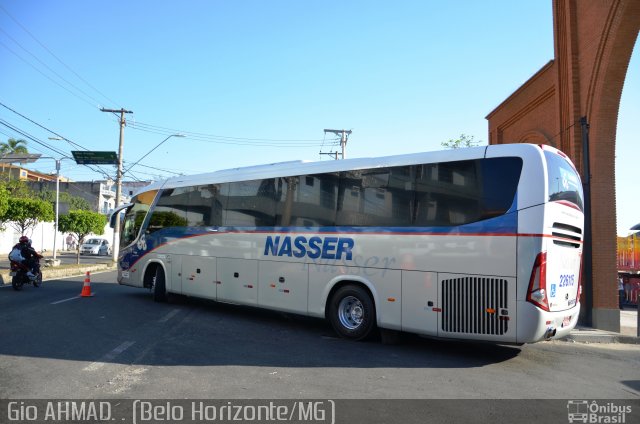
(351, 312)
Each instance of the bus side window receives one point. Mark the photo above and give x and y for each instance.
(251, 204)
(204, 208)
(462, 192)
(170, 211)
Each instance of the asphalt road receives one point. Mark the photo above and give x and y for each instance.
(120, 344)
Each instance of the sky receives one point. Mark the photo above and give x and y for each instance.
(250, 82)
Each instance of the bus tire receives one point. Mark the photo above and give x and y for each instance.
(352, 312)
(159, 285)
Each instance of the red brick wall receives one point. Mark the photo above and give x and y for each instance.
(593, 43)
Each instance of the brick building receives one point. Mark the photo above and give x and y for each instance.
(576, 97)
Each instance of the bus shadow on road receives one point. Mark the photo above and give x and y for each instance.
(196, 332)
(211, 333)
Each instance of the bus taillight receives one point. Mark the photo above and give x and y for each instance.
(579, 281)
(537, 292)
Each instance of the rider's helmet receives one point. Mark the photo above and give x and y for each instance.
(24, 240)
(29, 242)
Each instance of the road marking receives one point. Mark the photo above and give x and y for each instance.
(108, 357)
(65, 300)
(170, 315)
(125, 380)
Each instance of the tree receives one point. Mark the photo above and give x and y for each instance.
(24, 214)
(10, 189)
(4, 205)
(78, 203)
(463, 141)
(82, 223)
(16, 188)
(75, 202)
(14, 146)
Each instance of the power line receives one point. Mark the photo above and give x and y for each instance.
(72, 143)
(142, 124)
(24, 134)
(59, 152)
(159, 169)
(46, 76)
(343, 139)
(47, 66)
(56, 57)
(41, 126)
(219, 139)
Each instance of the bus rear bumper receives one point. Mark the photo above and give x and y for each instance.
(535, 325)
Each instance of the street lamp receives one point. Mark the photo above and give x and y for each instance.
(55, 232)
(150, 151)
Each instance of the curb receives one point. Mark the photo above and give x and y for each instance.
(589, 335)
(49, 273)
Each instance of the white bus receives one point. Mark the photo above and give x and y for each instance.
(482, 243)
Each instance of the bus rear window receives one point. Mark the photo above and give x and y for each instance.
(564, 182)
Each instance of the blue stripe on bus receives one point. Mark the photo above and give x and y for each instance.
(504, 225)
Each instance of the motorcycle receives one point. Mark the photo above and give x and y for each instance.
(19, 275)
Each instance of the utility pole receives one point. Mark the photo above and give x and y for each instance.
(334, 154)
(343, 138)
(116, 229)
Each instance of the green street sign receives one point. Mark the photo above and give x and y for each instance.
(83, 157)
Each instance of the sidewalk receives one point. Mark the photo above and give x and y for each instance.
(628, 331)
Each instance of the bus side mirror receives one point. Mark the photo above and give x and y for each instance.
(112, 219)
(116, 213)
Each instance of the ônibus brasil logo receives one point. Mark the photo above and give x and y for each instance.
(593, 412)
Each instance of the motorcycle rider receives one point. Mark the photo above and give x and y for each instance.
(29, 255)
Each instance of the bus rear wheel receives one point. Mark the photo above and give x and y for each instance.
(352, 312)
(159, 285)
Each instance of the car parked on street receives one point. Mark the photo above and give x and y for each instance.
(95, 246)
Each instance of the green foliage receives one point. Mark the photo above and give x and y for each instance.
(14, 146)
(81, 223)
(78, 203)
(4, 205)
(74, 202)
(4, 200)
(164, 219)
(463, 141)
(16, 188)
(24, 213)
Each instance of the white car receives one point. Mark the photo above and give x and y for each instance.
(95, 246)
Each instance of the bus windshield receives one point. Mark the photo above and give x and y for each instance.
(564, 182)
(134, 217)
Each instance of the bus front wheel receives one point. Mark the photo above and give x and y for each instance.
(159, 285)
(352, 312)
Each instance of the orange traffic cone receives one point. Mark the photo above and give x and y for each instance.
(86, 288)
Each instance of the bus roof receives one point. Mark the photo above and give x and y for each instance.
(292, 168)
